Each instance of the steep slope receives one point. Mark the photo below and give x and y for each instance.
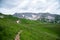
(44, 17)
(32, 30)
(31, 15)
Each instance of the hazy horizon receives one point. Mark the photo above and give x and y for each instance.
(34, 6)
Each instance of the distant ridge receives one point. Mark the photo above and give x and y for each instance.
(30, 15)
(39, 16)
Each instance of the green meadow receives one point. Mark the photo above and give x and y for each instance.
(32, 30)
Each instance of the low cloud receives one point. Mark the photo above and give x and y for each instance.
(13, 6)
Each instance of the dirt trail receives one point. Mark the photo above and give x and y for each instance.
(17, 37)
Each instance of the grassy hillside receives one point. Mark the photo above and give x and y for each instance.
(32, 30)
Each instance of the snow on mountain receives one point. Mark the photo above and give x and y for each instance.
(34, 16)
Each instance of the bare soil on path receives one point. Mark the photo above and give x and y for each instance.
(17, 37)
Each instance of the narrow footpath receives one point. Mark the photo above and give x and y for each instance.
(17, 37)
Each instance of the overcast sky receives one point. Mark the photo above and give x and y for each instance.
(35, 6)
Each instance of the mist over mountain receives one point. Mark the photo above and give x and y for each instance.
(46, 17)
(33, 15)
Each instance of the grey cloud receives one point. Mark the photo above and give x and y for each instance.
(30, 5)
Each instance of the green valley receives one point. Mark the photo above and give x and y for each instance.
(32, 30)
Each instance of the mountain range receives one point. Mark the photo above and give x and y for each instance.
(34, 16)
(38, 16)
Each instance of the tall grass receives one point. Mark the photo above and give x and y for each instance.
(32, 30)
